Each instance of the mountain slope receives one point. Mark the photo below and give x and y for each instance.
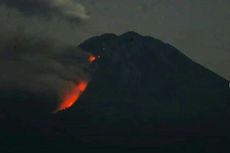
(132, 66)
(143, 88)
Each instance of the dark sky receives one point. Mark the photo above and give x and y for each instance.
(199, 28)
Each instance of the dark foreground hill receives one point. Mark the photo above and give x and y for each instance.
(146, 93)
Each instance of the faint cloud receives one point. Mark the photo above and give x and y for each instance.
(69, 9)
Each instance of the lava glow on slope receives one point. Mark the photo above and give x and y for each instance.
(92, 58)
(70, 98)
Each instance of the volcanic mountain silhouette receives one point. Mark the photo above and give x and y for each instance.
(144, 92)
(143, 89)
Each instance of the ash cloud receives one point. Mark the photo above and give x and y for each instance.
(39, 60)
(40, 66)
(69, 9)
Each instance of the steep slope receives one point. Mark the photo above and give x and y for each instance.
(149, 72)
(143, 90)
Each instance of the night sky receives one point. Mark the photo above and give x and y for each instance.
(198, 28)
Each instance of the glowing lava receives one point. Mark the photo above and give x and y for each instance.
(72, 96)
(92, 58)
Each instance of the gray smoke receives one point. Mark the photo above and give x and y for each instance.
(69, 9)
(40, 65)
(39, 61)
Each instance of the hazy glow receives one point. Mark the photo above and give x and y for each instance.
(92, 58)
(72, 97)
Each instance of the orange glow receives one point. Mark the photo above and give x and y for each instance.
(72, 96)
(92, 58)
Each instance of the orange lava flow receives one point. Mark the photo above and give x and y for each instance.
(92, 58)
(72, 96)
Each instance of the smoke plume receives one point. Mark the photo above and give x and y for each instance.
(39, 60)
(69, 9)
(41, 66)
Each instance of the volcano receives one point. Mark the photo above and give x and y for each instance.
(145, 92)
(136, 71)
